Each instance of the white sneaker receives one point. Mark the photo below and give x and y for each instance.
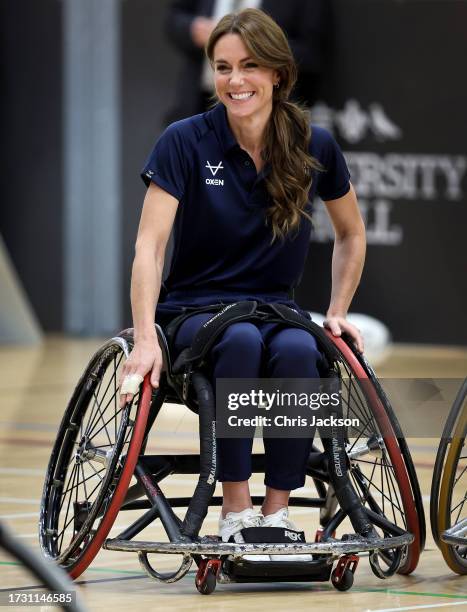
(281, 519)
(234, 522)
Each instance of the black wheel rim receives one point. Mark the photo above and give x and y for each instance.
(371, 470)
(88, 454)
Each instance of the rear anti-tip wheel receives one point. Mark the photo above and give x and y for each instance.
(342, 575)
(343, 582)
(206, 576)
(208, 585)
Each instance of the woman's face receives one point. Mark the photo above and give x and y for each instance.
(244, 87)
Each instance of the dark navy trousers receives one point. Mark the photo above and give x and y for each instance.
(247, 350)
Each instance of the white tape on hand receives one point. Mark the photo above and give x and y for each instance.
(131, 384)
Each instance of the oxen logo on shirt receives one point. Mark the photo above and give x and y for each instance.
(214, 170)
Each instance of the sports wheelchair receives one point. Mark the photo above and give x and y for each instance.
(448, 499)
(366, 476)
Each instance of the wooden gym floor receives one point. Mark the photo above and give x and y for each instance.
(35, 385)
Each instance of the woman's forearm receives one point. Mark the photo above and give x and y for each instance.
(146, 281)
(347, 265)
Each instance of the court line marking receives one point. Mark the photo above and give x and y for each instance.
(137, 574)
(418, 593)
(421, 607)
(323, 587)
(255, 489)
(40, 586)
(40, 442)
(19, 515)
(25, 501)
(208, 519)
(89, 569)
(22, 471)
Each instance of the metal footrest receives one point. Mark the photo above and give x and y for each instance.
(352, 544)
(456, 535)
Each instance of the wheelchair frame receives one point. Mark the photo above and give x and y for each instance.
(397, 548)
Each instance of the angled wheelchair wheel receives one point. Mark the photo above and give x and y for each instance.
(452, 500)
(380, 465)
(92, 462)
(446, 437)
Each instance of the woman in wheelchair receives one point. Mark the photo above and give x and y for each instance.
(236, 184)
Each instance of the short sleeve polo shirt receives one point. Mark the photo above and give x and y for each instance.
(222, 245)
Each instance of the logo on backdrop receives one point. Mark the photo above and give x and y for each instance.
(380, 179)
(214, 170)
(353, 123)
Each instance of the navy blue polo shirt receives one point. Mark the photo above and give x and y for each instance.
(222, 245)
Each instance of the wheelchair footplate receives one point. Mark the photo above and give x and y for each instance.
(226, 562)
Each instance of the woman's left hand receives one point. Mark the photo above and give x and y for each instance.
(338, 325)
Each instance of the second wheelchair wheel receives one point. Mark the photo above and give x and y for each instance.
(381, 466)
(452, 503)
(92, 462)
(457, 407)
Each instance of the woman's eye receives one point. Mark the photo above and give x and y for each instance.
(251, 65)
(222, 68)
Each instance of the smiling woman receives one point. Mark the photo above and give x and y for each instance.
(254, 73)
(236, 184)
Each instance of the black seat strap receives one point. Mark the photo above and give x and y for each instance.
(249, 311)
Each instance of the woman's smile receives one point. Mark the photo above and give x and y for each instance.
(241, 96)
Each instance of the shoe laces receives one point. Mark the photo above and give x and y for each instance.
(279, 519)
(252, 519)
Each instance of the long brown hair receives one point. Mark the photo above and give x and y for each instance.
(288, 131)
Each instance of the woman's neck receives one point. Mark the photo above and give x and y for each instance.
(249, 131)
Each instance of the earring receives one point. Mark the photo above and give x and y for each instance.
(276, 85)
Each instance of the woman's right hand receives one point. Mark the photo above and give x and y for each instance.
(145, 357)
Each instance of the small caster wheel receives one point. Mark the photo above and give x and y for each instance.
(208, 584)
(343, 583)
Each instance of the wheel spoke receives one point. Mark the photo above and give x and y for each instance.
(97, 473)
(359, 437)
(113, 377)
(358, 397)
(92, 415)
(63, 495)
(104, 426)
(81, 481)
(350, 387)
(93, 434)
(115, 399)
(66, 513)
(392, 491)
(460, 475)
(460, 505)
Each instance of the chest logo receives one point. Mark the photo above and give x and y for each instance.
(214, 170)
